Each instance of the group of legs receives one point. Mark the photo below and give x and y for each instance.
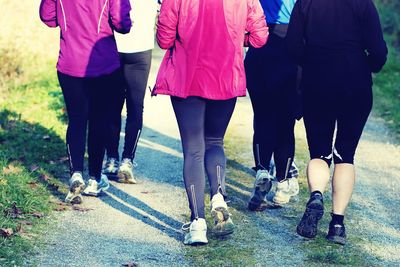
(99, 102)
(202, 124)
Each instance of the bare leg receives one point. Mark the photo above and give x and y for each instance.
(342, 187)
(318, 175)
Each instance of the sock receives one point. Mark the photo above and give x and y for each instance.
(337, 219)
(315, 193)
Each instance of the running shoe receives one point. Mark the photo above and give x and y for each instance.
(336, 234)
(94, 188)
(196, 232)
(111, 167)
(308, 224)
(262, 185)
(76, 186)
(285, 190)
(125, 172)
(223, 224)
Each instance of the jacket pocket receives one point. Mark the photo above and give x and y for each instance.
(166, 74)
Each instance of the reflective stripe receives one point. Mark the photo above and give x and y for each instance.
(287, 168)
(196, 214)
(65, 18)
(101, 14)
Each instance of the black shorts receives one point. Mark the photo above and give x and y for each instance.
(345, 112)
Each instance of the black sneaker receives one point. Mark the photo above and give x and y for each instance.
(308, 224)
(262, 185)
(337, 234)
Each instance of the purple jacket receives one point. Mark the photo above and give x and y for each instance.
(87, 43)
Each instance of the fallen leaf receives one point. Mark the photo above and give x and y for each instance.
(33, 185)
(34, 168)
(144, 192)
(130, 264)
(11, 169)
(26, 222)
(13, 212)
(6, 232)
(63, 159)
(37, 214)
(44, 177)
(81, 209)
(61, 208)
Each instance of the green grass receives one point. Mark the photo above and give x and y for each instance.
(387, 92)
(33, 171)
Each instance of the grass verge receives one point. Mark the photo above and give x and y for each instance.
(32, 165)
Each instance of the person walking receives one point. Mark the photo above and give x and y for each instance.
(135, 49)
(88, 71)
(272, 85)
(203, 72)
(338, 44)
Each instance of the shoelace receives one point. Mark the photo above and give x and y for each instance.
(186, 227)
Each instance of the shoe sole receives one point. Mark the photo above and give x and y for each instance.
(309, 222)
(222, 226)
(337, 239)
(76, 189)
(255, 205)
(126, 178)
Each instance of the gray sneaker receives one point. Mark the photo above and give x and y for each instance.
(125, 172)
(111, 167)
(76, 186)
(262, 185)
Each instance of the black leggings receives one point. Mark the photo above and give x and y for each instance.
(271, 78)
(136, 68)
(86, 100)
(347, 112)
(202, 126)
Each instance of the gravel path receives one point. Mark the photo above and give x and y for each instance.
(141, 223)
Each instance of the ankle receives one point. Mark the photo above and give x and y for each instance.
(337, 219)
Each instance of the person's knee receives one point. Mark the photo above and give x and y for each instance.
(342, 156)
(214, 142)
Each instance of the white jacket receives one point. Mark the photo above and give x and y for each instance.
(141, 36)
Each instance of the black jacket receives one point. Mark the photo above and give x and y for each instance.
(338, 43)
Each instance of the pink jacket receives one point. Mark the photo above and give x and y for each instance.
(205, 46)
(87, 43)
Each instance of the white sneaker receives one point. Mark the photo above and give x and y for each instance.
(94, 188)
(125, 172)
(285, 190)
(76, 186)
(223, 224)
(197, 232)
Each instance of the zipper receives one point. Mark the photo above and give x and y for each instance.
(101, 14)
(65, 17)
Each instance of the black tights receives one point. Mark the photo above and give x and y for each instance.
(136, 68)
(86, 100)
